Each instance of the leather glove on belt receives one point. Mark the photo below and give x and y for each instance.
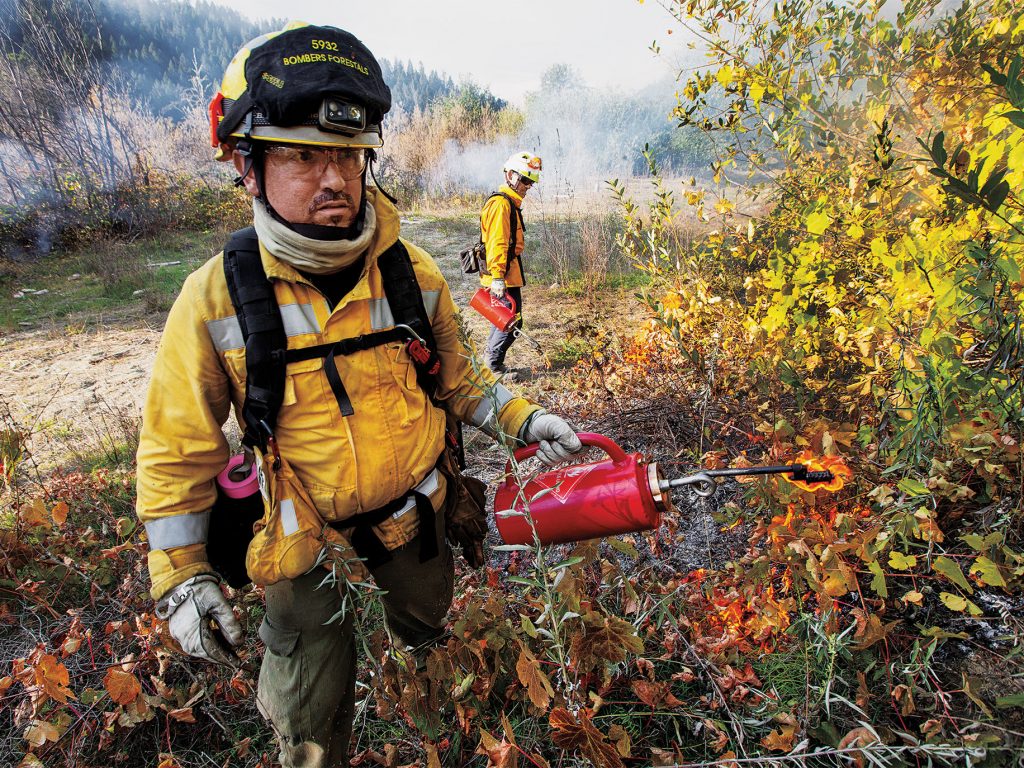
(189, 608)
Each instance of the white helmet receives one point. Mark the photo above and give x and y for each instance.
(525, 164)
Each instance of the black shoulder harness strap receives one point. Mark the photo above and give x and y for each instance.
(266, 345)
(263, 332)
(267, 356)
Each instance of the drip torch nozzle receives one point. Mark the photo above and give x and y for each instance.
(704, 485)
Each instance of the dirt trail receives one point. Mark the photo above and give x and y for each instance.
(70, 387)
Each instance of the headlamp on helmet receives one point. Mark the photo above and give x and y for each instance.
(342, 116)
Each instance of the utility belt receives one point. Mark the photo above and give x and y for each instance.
(291, 536)
(367, 543)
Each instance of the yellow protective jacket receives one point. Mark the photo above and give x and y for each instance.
(496, 235)
(348, 465)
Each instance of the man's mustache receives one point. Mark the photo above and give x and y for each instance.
(330, 197)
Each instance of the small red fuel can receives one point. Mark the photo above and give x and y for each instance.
(495, 310)
(619, 494)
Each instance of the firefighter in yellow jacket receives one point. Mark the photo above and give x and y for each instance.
(502, 232)
(353, 431)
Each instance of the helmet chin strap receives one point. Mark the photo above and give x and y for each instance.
(254, 162)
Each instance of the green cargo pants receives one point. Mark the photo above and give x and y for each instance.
(307, 681)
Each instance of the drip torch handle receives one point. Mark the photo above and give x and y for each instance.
(606, 444)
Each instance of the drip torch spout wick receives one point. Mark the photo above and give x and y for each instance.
(704, 482)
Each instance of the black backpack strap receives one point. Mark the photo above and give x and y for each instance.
(406, 302)
(252, 296)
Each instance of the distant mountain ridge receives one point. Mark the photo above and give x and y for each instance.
(156, 49)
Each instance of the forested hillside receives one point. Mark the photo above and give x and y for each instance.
(155, 50)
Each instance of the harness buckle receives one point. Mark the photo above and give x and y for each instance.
(268, 435)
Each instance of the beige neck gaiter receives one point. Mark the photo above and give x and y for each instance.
(317, 257)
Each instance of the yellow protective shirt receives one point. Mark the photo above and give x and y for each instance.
(348, 465)
(495, 232)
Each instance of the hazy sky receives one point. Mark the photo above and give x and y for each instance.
(504, 46)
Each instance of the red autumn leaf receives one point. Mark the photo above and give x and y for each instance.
(580, 735)
(123, 686)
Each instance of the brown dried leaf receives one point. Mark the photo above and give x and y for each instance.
(858, 737)
(537, 684)
(59, 513)
(607, 638)
(123, 686)
(34, 514)
(655, 695)
(53, 678)
(500, 754)
(40, 732)
(623, 743)
(581, 736)
(183, 715)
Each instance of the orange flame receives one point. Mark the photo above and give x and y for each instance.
(834, 464)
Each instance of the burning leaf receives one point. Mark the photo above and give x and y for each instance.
(581, 736)
(537, 684)
(123, 687)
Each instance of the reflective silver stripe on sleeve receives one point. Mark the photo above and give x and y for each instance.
(178, 530)
(485, 414)
(380, 315)
(427, 487)
(225, 333)
(430, 301)
(299, 319)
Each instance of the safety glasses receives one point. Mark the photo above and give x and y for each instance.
(313, 161)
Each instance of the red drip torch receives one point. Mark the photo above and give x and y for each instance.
(620, 494)
(499, 314)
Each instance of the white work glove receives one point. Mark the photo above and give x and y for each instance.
(558, 441)
(188, 609)
(497, 288)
